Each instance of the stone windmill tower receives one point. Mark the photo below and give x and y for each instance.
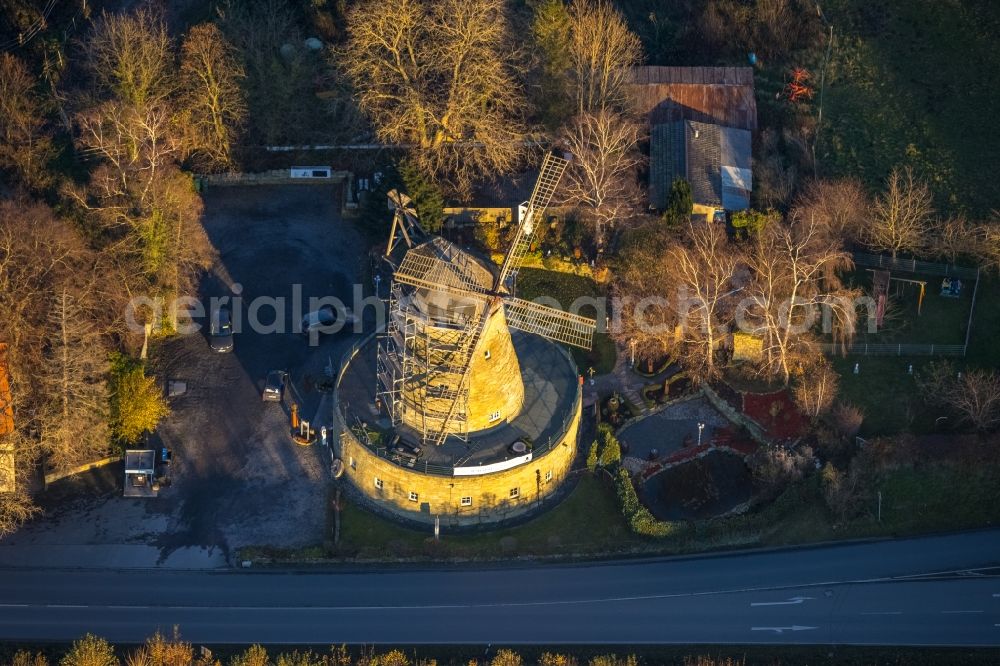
(446, 365)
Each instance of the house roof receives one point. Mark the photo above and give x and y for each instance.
(7, 478)
(715, 160)
(716, 95)
(6, 399)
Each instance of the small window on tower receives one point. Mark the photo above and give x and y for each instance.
(378, 483)
(466, 501)
(487, 354)
(494, 416)
(548, 476)
(414, 497)
(515, 492)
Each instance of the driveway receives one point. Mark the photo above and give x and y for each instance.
(238, 479)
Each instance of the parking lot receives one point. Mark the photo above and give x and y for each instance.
(237, 478)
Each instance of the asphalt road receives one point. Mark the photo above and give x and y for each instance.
(941, 590)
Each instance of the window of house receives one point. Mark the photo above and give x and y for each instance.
(414, 497)
(487, 354)
(378, 483)
(466, 501)
(515, 492)
(548, 476)
(494, 416)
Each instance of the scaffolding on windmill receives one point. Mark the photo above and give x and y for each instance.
(445, 364)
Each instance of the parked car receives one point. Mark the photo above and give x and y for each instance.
(324, 319)
(220, 331)
(274, 386)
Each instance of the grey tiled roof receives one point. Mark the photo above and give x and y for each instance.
(715, 160)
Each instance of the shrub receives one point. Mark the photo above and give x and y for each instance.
(426, 195)
(775, 467)
(137, 402)
(846, 419)
(640, 520)
(592, 457)
(610, 449)
(90, 651)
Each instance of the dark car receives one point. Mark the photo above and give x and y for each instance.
(220, 331)
(274, 386)
(327, 319)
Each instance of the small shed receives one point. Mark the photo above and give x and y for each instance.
(140, 468)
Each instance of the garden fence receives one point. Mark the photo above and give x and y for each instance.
(871, 349)
(915, 266)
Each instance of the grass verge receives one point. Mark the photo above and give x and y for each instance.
(589, 523)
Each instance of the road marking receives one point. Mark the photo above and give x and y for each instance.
(791, 602)
(963, 612)
(882, 613)
(778, 630)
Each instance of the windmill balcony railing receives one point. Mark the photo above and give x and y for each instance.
(539, 448)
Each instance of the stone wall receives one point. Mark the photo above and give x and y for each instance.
(490, 494)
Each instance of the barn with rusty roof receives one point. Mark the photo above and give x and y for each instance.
(700, 123)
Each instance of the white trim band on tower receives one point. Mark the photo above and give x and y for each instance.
(493, 467)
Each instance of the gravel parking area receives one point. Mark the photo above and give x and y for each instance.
(238, 479)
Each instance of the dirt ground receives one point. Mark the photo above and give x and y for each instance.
(237, 478)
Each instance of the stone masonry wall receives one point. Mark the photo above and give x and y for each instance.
(491, 497)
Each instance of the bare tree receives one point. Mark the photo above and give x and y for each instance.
(841, 207)
(602, 52)
(129, 57)
(213, 102)
(73, 418)
(795, 276)
(955, 238)
(704, 269)
(647, 320)
(436, 76)
(680, 298)
(39, 255)
(602, 177)
(974, 395)
(902, 214)
(816, 388)
(25, 148)
(977, 398)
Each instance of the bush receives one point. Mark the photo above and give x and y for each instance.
(137, 402)
(610, 449)
(775, 468)
(426, 196)
(640, 520)
(592, 457)
(846, 419)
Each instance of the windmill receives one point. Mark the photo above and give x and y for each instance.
(446, 365)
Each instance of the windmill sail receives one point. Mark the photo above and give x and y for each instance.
(552, 170)
(549, 322)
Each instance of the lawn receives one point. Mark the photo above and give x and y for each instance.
(940, 320)
(886, 390)
(910, 83)
(568, 289)
(588, 523)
